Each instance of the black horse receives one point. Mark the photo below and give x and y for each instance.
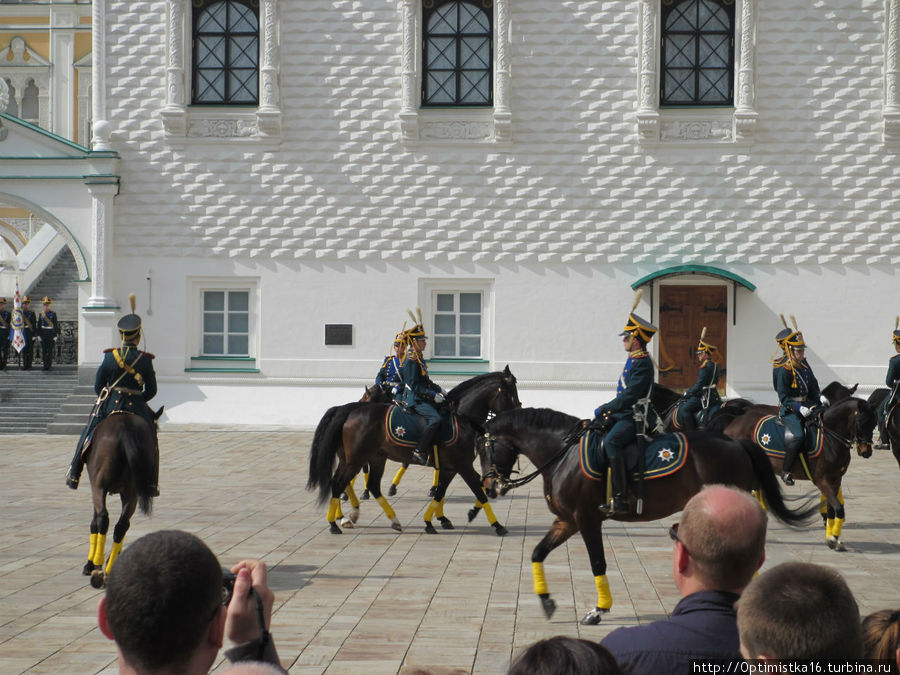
(361, 438)
(120, 460)
(892, 430)
(540, 435)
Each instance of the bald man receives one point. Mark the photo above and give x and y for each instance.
(717, 547)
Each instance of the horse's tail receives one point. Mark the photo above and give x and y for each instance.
(140, 462)
(326, 442)
(771, 490)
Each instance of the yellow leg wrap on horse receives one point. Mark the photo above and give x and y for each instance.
(439, 511)
(840, 495)
(388, 511)
(429, 512)
(838, 527)
(351, 496)
(333, 509)
(93, 547)
(435, 478)
(100, 550)
(398, 475)
(829, 527)
(823, 505)
(604, 597)
(366, 479)
(116, 550)
(352, 481)
(489, 512)
(762, 501)
(540, 583)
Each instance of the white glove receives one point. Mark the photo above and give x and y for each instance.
(805, 411)
(438, 398)
(824, 401)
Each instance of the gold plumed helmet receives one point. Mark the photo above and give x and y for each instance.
(417, 332)
(790, 339)
(896, 338)
(636, 325)
(130, 325)
(703, 346)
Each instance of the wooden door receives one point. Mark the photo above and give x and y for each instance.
(683, 312)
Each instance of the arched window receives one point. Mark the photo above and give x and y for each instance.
(697, 52)
(458, 52)
(226, 52)
(30, 108)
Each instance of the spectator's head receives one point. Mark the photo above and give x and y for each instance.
(881, 636)
(163, 604)
(799, 611)
(720, 541)
(565, 656)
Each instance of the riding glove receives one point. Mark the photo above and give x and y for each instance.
(804, 411)
(824, 401)
(438, 398)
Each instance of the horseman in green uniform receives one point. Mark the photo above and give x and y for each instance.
(703, 397)
(630, 412)
(892, 380)
(798, 393)
(418, 392)
(125, 381)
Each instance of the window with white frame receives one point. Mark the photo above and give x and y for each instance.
(226, 52)
(226, 323)
(458, 324)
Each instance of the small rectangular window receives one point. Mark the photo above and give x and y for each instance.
(458, 325)
(226, 323)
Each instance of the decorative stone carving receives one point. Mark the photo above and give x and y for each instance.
(222, 128)
(695, 130)
(456, 131)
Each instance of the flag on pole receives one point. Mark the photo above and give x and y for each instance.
(17, 325)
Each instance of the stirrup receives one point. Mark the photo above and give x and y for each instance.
(614, 507)
(786, 478)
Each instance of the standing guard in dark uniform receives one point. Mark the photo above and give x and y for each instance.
(892, 380)
(48, 331)
(703, 397)
(798, 393)
(125, 381)
(5, 328)
(418, 392)
(629, 409)
(29, 332)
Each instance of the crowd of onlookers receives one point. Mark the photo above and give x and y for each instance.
(169, 607)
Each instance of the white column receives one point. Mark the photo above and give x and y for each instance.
(100, 140)
(502, 112)
(62, 56)
(174, 115)
(409, 116)
(102, 194)
(745, 114)
(892, 73)
(648, 71)
(268, 116)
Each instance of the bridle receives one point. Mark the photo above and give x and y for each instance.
(506, 483)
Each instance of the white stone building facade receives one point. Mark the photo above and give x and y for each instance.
(521, 228)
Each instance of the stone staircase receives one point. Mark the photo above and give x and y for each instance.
(31, 401)
(59, 282)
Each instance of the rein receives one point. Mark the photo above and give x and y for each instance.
(512, 484)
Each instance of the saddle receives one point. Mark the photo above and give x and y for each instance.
(663, 455)
(404, 428)
(769, 434)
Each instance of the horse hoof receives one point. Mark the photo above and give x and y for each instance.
(547, 604)
(98, 579)
(364, 495)
(353, 516)
(392, 490)
(346, 523)
(429, 528)
(344, 497)
(593, 617)
(473, 512)
(395, 525)
(445, 523)
(835, 544)
(334, 528)
(500, 530)
(88, 568)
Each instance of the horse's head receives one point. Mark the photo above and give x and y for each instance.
(857, 420)
(375, 394)
(835, 391)
(485, 394)
(506, 397)
(498, 458)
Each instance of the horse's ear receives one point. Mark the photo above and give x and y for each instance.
(506, 370)
(853, 388)
(159, 413)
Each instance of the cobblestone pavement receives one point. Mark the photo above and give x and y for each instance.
(371, 600)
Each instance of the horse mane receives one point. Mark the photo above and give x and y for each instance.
(545, 418)
(463, 388)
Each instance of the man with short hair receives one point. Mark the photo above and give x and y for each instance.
(47, 330)
(717, 547)
(799, 611)
(164, 608)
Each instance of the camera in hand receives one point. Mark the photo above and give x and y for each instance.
(228, 578)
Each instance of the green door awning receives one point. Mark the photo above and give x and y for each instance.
(680, 270)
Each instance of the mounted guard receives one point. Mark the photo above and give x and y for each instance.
(798, 392)
(702, 400)
(125, 381)
(629, 415)
(892, 380)
(388, 377)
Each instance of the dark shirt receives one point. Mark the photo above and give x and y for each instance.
(703, 626)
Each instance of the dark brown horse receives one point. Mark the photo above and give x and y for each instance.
(360, 438)
(121, 460)
(540, 435)
(892, 431)
(844, 423)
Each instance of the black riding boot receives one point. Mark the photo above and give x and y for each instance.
(154, 485)
(790, 456)
(619, 503)
(74, 473)
(420, 454)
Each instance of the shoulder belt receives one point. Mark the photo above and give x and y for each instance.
(129, 368)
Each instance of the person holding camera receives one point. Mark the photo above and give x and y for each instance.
(168, 607)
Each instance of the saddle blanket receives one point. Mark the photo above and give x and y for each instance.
(663, 456)
(769, 435)
(405, 429)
